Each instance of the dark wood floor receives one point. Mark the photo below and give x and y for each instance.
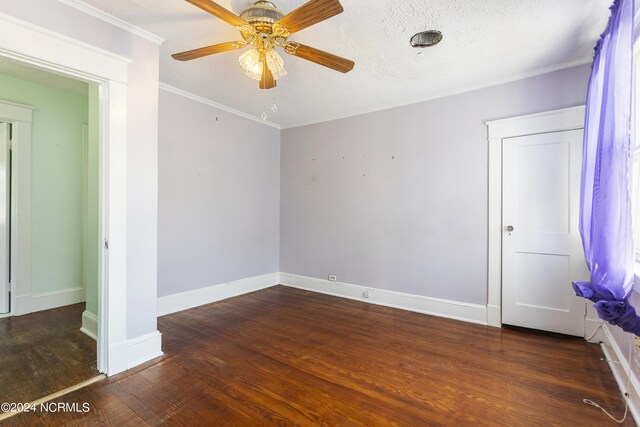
(44, 352)
(288, 357)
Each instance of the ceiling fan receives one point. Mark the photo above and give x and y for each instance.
(263, 27)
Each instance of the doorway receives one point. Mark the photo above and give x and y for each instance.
(46, 184)
(30, 44)
(534, 245)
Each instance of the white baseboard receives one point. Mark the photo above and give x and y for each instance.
(620, 367)
(29, 303)
(23, 305)
(197, 297)
(143, 349)
(90, 324)
(494, 315)
(131, 353)
(117, 358)
(473, 313)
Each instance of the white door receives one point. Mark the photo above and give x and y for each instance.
(541, 247)
(4, 217)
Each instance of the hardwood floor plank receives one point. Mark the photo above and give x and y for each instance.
(44, 352)
(284, 356)
(401, 381)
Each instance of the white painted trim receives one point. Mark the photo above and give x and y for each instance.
(21, 304)
(473, 313)
(620, 367)
(14, 112)
(185, 300)
(24, 41)
(46, 301)
(467, 312)
(494, 315)
(21, 216)
(144, 348)
(197, 98)
(20, 117)
(548, 121)
(89, 324)
(46, 49)
(439, 95)
(84, 198)
(113, 20)
(112, 263)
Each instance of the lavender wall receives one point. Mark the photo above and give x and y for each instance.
(397, 199)
(219, 201)
(142, 142)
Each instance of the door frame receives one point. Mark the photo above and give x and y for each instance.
(549, 121)
(19, 117)
(46, 49)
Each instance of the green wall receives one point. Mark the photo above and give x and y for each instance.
(56, 182)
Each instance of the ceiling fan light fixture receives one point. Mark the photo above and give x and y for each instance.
(263, 27)
(251, 63)
(275, 64)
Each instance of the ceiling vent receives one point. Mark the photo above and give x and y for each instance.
(426, 38)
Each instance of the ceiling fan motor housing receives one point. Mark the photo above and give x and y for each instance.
(261, 15)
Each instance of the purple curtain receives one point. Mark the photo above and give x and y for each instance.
(605, 215)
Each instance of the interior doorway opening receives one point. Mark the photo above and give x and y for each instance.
(49, 230)
(29, 44)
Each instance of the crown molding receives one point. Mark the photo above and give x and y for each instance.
(439, 95)
(329, 118)
(106, 17)
(200, 99)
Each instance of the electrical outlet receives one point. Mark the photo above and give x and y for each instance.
(332, 278)
(366, 294)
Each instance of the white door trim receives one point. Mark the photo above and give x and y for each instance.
(548, 121)
(20, 116)
(46, 49)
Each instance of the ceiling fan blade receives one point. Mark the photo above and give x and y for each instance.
(309, 14)
(209, 50)
(216, 10)
(320, 57)
(267, 81)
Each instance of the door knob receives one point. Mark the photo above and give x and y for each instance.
(509, 228)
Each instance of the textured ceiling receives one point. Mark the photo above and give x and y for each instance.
(18, 70)
(485, 42)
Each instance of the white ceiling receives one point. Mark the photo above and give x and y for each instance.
(485, 42)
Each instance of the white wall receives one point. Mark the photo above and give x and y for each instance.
(142, 147)
(219, 202)
(397, 199)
